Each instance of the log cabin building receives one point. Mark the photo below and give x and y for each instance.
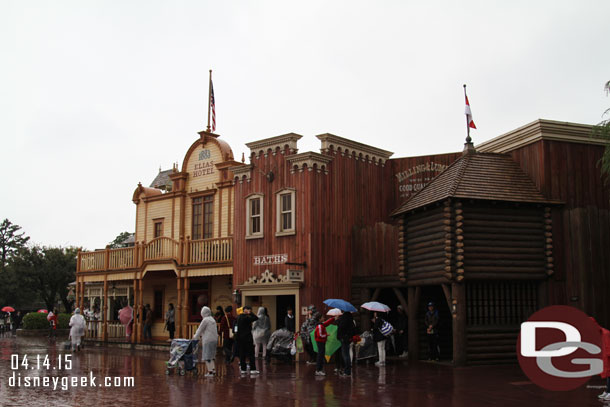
(183, 251)
(520, 223)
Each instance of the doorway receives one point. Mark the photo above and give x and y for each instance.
(282, 302)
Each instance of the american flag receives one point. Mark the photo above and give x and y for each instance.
(213, 106)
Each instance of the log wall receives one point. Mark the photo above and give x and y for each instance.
(504, 242)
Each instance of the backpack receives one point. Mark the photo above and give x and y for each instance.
(386, 328)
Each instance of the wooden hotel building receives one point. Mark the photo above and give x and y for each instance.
(183, 252)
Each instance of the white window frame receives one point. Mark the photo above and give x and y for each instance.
(278, 205)
(249, 234)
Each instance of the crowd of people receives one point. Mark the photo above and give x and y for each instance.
(248, 337)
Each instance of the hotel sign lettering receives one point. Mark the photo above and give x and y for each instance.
(205, 166)
(270, 259)
(415, 178)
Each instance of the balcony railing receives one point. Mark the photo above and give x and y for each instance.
(183, 252)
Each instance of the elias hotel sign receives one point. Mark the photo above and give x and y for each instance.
(205, 166)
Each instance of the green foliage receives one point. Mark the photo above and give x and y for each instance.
(35, 320)
(119, 240)
(63, 320)
(47, 271)
(603, 130)
(10, 241)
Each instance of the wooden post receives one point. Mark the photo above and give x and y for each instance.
(105, 309)
(458, 292)
(185, 301)
(179, 306)
(107, 258)
(76, 291)
(134, 324)
(413, 300)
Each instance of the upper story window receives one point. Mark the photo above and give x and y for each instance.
(203, 217)
(254, 216)
(157, 228)
(285, 212)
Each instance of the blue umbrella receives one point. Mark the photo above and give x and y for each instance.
(341, 304)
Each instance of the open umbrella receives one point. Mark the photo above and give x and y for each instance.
(341, 304)
(332, 343)
(8, 309)
(43, 311)
(375, 306)
(334, 312)
(125, 315)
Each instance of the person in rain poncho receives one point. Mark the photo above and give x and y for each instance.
(306, 328)
(77, 329)
(207, 334)
(261, 331)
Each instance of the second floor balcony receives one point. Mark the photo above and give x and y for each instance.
(183, 252)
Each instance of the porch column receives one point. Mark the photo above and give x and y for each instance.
(179, 306)
(412, 310)
(140, 308)
(458, 292)
(105, 311)
(134, 324)
(185, 305)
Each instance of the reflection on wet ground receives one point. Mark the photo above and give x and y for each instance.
(398, 383)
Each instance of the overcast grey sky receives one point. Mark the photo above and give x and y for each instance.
(96, 95)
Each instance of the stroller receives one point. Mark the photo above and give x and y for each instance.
(366, 350)
(280, 345)
(183, 356)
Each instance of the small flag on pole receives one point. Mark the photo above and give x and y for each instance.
(213, 106)
(468, 112)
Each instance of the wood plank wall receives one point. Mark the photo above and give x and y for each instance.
(581, 228)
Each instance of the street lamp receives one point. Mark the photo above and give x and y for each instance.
(237, 297)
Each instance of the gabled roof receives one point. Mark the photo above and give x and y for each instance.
(162, 180)
(478, 176)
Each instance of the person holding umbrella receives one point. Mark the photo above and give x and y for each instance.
(381, 328)
(126, 318)
(346, 329)
(320, 337)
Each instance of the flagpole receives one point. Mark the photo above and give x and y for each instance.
(210, 98)
(468, 139)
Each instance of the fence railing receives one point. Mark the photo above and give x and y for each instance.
(210, 250)
(95, 330)
(184, 252)
(161, 248)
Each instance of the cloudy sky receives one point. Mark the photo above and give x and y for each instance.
(95, 96)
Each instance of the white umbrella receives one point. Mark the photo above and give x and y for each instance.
(375, 306)
(334, 312)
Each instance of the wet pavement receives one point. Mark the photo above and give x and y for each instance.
(399, 383)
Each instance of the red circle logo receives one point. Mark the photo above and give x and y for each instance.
(559, 347)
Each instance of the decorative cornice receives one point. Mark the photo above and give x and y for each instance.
(267, 278)
(541, 129)
(334, 144)
(242, 172)
(272, 144)
(309, 161)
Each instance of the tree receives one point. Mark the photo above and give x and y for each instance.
(120, 240)
(603, 130)
(48, 271)
(10, 241)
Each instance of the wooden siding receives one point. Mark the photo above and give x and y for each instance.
(581, 227)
